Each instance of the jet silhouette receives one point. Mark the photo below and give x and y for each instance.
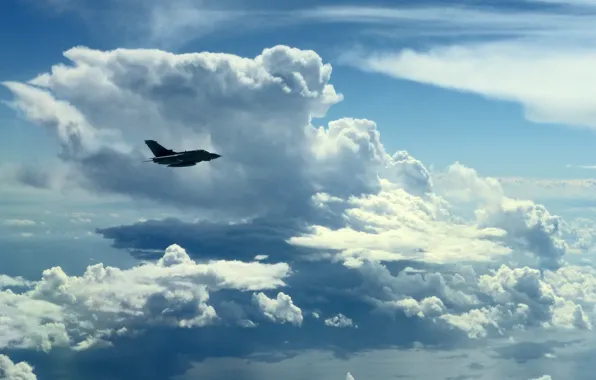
(173, 159)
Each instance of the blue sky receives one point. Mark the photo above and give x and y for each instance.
(399, 192)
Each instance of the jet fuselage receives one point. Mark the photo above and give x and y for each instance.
(186, 158)
(163, 156)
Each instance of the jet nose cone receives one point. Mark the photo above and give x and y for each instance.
(214, 156)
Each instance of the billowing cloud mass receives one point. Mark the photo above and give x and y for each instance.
(306, 236)
(15, 371)
(397, 225)
(339, 320)
(62, 310)
(280, 309)
(255, 112)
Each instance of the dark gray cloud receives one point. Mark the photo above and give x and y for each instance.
(34, 177)
(161, 353)
(208, 240)
(525, 351)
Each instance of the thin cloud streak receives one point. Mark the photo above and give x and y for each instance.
(451, 22)
(176, 23)
(581, 166)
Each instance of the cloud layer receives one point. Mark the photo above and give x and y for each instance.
(61, 310)
(306, 237)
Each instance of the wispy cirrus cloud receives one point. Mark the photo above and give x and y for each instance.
(568, 3)
(19, 222)
(174, 23)
(582, 166)
(553, 86)
(542, 61)
(461, 17)
(154, 22)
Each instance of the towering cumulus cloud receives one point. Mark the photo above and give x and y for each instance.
(255, 112)
(353, 247)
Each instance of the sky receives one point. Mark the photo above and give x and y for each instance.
(404, 190)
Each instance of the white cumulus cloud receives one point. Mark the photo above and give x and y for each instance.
(339, 320)
(280, 309)
(255, 112)
(15, 371)
(63, 310)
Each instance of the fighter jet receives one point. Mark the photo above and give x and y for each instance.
(173, 159)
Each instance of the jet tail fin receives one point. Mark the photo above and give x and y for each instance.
(158, 150)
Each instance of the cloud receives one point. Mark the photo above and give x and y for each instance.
(280, 309)
(296, 221)
(483, 305)
(239, 108)
(155, 22)
(340, 321)
(470, 363)
(558, 96)
(550, 189)
(427, 306)
(396, 225)
(569, 3)
(15, 371)
(18, 222)
(62, 310)
(174, 23)
(33, 177)
(241, 241)
(538, 55)
(582, 166)
(445, 21)
(8, 281)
